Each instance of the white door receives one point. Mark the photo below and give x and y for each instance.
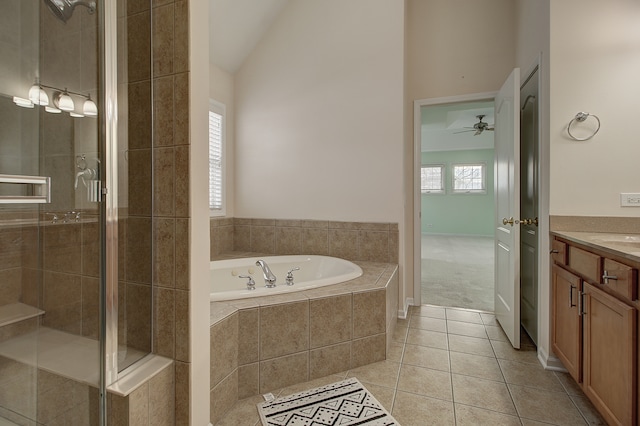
(507, 195)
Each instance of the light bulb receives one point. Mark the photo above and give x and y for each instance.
(89, 108)
(38, 96)
(52, 110)
(22, 102)
(65, 103)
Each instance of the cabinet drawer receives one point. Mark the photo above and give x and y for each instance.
(587, 264)
(559, 252)
(620, 278)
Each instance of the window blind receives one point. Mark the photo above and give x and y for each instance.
(215, 161)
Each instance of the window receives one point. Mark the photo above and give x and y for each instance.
(432, 179)
(216, 158)
(469, 178)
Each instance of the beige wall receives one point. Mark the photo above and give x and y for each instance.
(595, 63)
(319, 114)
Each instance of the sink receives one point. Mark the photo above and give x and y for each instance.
(622, 240)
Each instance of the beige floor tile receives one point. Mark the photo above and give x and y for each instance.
(569, 384)
(395, 352)
(489, 319)
(424, 356)
(384, 395)
(475, 365)
(587, 410)
(495, 332)
(432, 339)
(416, 410)
(427, 323)
(429, 311)
(425, 381)
(474, 416)
(544, 406)
(466, 329)
(464, 316)
(244, 412)
(504, 350)
(482, 393)
(384, 373)
(532, 375)
(470, 345)
(400, 334)
(528, 422)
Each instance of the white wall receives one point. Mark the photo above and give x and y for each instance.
(595, 64)
(319, 114)
(222, 89)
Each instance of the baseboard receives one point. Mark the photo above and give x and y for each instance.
(550, 362)
(404, 312)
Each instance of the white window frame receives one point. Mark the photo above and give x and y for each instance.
(220, 109)
(483, 178)
(442, 174)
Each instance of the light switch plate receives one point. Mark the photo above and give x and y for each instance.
(630, 199)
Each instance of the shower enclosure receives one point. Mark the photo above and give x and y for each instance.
(75, 221)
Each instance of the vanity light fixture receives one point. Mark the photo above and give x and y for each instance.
(22, 102)
(63, 101)
(89, 108)
(37, 95)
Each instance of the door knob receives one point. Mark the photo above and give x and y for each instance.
(506, 221)
(529, 221)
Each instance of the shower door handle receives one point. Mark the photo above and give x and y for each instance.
(41, 189)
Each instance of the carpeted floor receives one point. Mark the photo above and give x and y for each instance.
(458, 271)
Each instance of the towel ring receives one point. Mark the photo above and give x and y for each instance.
(580, 117)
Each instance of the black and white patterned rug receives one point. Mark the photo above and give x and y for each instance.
(345, 403)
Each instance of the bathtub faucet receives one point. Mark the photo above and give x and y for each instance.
(269, 278)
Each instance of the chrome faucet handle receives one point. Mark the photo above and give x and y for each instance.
(289, 279)
(74, 215)
(251, 284)
(54, 219)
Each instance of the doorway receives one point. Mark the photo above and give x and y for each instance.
(456, 204)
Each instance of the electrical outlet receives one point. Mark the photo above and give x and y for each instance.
(629, 199)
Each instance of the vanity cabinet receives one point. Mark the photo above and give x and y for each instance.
(595, 326)
(566, 335)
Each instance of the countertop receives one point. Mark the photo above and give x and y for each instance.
(624, 245)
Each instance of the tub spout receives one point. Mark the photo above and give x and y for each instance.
(269, 278)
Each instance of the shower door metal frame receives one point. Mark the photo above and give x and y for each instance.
(108, 133)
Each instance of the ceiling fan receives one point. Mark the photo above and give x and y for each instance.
(479, 127)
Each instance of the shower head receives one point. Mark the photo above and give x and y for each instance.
(63, 9)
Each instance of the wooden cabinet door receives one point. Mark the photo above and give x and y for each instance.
(610, 356)
(566, 335)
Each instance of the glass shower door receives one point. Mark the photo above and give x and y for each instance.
(50, 239)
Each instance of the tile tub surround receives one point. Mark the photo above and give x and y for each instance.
(366, 241)
(262, 344)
